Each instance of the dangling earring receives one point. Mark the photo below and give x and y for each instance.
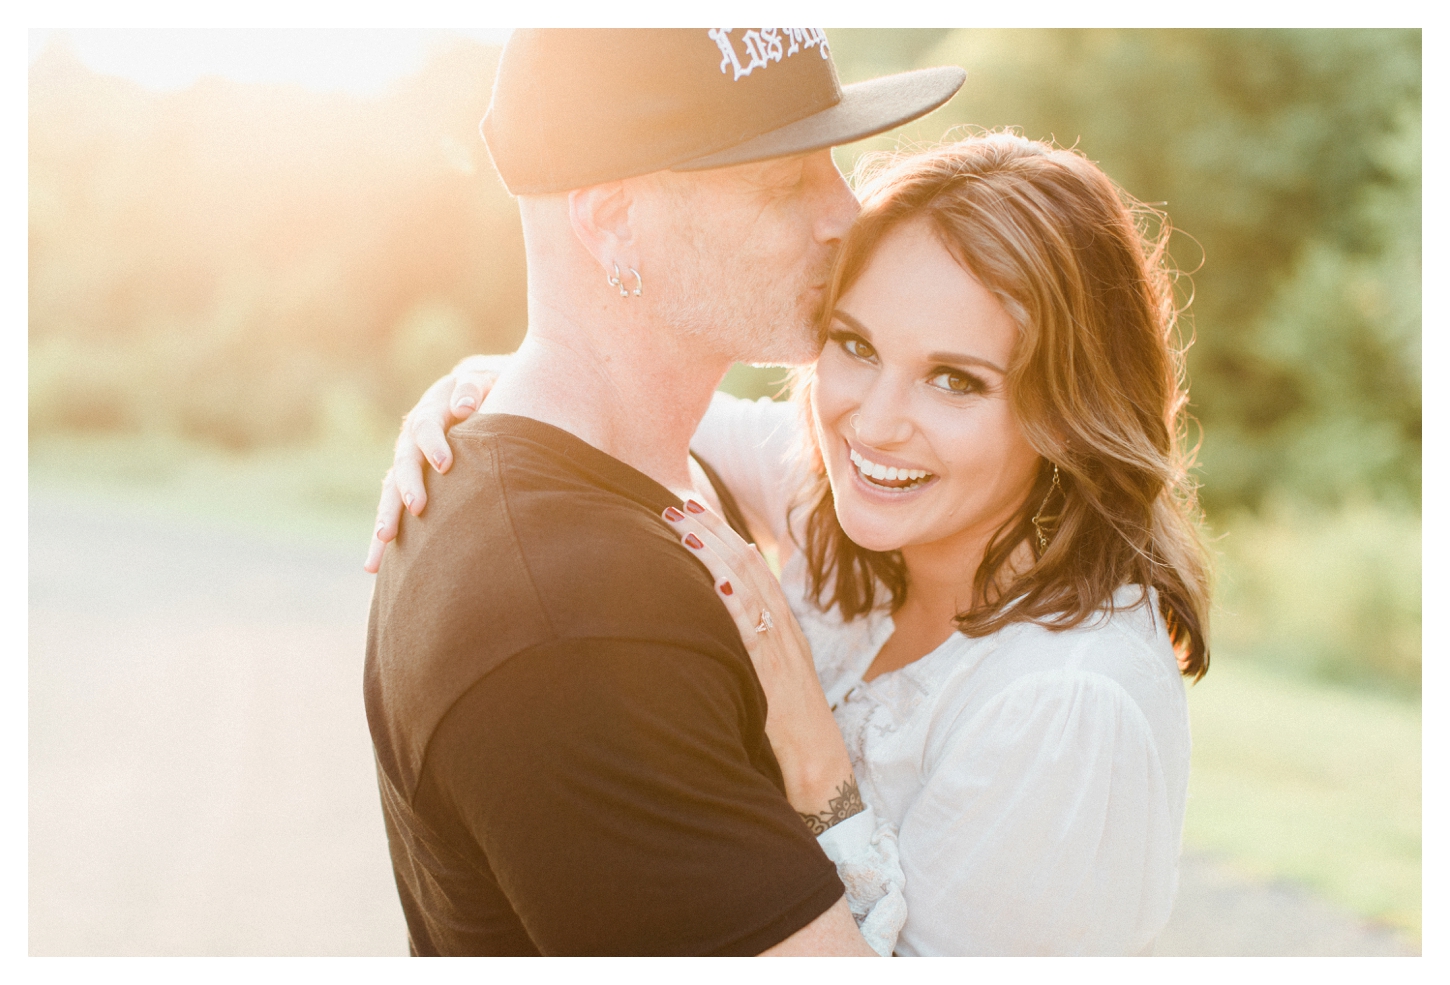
(1038, 518)
(638, 283)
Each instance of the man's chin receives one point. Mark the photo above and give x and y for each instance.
(788, 345)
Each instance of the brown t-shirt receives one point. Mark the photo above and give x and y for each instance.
(570, 737)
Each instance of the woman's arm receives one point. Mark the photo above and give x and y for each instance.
(424, 437)
(752, 444)
(819, 780)
(1043, 827)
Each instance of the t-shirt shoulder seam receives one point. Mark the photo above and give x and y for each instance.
(463, 693)
(542, 646)
(514, 533)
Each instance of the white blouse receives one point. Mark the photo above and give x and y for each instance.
(1025, 790)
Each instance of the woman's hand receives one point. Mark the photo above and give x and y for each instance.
(819, 781)
(424, 436)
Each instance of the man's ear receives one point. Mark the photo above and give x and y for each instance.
(600, 218)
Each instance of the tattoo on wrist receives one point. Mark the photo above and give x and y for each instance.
(846, 803)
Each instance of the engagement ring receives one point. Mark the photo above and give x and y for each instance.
(765, 621)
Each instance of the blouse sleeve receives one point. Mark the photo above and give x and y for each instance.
(752, 444)
(864, 849)
(1043, 827)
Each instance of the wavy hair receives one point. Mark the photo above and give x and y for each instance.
(1096, 383)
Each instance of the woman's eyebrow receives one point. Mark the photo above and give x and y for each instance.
(961, 358)
(853, 324)
(951, 358)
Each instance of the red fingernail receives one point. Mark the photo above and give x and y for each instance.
(693, 506)
(692, 541)
(725, 588)
(673, 515)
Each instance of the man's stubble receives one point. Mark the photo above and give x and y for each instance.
(736, 305)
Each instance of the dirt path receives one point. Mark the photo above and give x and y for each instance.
(201, 777)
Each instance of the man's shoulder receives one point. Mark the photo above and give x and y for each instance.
(524, 545)
(561, 531)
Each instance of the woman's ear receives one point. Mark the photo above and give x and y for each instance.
(600, 218)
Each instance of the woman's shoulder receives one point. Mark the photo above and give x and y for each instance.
(1121, 653)
(1126, 634)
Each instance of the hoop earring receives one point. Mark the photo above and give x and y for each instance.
(618, 281)
(614, 282)
(1038, 518)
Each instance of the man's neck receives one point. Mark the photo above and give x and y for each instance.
(634, 394)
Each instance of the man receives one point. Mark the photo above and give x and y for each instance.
(570, 736)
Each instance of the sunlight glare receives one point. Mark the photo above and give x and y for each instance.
(358, 61)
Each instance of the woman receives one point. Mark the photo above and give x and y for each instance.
(988, 545)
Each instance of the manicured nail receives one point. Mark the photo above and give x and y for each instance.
(408, 500)
(673, 515)
(693, 506)
(692, 541)
(438, 463)
(725, 588)
(466, 403)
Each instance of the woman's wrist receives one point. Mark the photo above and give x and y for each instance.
(841, 802)
(821, 786)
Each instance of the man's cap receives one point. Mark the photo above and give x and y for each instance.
(577, 107)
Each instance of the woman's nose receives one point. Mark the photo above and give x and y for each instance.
(880, 420)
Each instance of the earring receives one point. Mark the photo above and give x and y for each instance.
(1038, 518)
(617, 281)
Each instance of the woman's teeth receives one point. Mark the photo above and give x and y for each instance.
(889, 474)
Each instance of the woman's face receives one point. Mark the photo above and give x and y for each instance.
(911, 407)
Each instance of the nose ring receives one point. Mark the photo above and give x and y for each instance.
(854, 419)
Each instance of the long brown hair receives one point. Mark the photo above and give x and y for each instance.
(1096, 382)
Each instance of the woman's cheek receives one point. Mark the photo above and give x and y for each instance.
(833, 390)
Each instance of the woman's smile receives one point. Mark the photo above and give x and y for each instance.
(888, 478)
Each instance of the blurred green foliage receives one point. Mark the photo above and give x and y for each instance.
(260, 267)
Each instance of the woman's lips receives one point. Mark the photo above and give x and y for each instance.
(887, 477)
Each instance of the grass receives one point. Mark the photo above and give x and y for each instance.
(1332, 594)
(1300, 771)
(1312, 782)
(325, 493)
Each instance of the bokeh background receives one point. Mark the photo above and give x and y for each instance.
(238, 283)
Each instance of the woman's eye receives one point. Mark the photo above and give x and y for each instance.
(859, 348)
(955, 381)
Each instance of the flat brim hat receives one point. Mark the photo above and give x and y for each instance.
(578, 107)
